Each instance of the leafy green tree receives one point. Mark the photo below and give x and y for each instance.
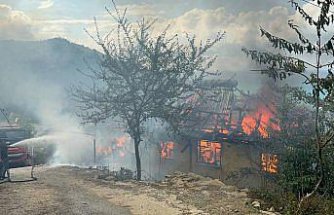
(317, 74)
(143, 76)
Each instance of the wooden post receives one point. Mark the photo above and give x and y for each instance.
(94, 145)
(190, 156)
(221, 162)
(94, 142)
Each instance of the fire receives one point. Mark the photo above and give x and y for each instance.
(167, 150)
(261, 121)
(104, 150)
(209, 152)
(120, 141)
(224, 131)
(220, 130)
(117, 146)
(121, 154)
(269, 163)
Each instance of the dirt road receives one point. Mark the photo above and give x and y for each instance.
(73, 190)
(57, 191)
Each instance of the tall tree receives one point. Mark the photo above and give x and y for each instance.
(143, 76)
(317, 74)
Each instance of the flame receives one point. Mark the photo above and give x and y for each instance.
(117, 146)
(223, 131)
(220, 130)
(122, 154)
(120, 145)
(120, 141)
(269, 163)
(104, 150)
(261, 120)
(209, 151)
(167, 150)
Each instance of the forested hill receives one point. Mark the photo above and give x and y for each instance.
(35, 75)
(55, 60)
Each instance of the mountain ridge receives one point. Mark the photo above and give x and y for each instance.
(55, 59)
(35, 75)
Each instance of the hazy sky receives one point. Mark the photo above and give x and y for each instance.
(43, 19)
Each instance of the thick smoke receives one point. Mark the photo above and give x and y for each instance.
(35, 81)
(47, 102)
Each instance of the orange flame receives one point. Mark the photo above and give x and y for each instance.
(120, 141)
(220, 130)
(104, 150)
(116, 146)
(167, 150)
(224, 131)
(269, 163)
(209, 151)
(261, 120)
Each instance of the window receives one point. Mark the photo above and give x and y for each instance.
(209, 152)
(269, 163)
(167, 150)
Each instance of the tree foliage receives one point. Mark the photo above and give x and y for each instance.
(143, 75)
(317, 74)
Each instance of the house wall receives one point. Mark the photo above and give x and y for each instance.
(240, 164)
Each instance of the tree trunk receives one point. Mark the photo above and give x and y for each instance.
(190, 156)
(138, 163)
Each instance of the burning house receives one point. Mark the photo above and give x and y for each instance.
(114, 151)
(227, 136)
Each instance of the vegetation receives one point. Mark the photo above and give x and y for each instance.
(143, 76)
(308, 165)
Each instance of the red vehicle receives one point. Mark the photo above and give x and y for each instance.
(18, 155)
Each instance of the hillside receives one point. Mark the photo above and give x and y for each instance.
(55, 59)
(35, 75)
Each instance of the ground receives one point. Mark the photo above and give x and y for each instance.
(73, 190)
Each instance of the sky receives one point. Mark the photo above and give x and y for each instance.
(240, 19)
(41, 19)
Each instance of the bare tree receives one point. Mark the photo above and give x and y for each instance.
(142, 76)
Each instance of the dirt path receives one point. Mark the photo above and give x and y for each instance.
(72, 190)
(55, 192)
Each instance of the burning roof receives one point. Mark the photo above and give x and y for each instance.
(221, 108)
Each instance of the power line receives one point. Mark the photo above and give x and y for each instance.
(5, 115)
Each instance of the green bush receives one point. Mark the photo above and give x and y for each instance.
(287, 202)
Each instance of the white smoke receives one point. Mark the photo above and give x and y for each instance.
(48, 102)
